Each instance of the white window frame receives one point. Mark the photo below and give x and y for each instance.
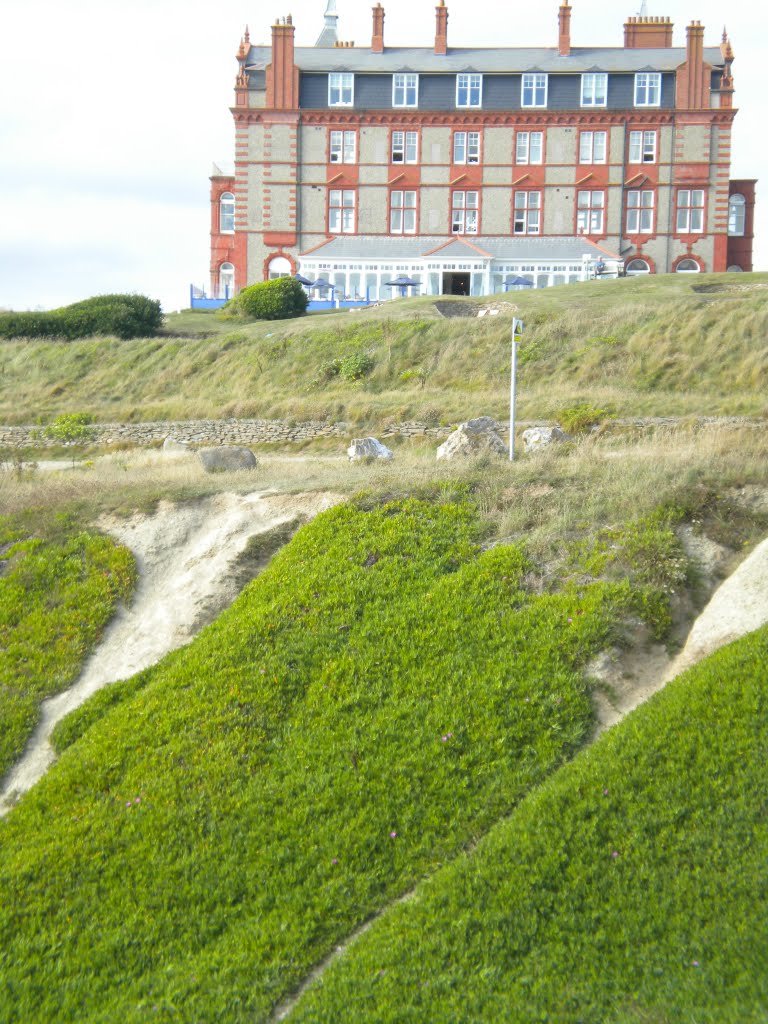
(526, 213)
(648, 89)
(536, 83)
(469, 88)
(342, 147)
(643, 146)
(466, 147)
(529, 147)
(590, 212)
(689, 214)
(641, 205)
(402, 202)
(404, 147)
(341, 89)
(737, 215)
(342, 207)
(593, 147)
(404, 84)
(465, 212)
(594, 89)
(227, 213)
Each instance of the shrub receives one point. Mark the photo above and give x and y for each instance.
(70, 428)
(580, 418)
(123, 316)
(271, 300)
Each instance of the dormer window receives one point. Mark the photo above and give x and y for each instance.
(594, 90)
(405, 90)
(341, 89)
(648, 89)
(469, 90)
(534, 90)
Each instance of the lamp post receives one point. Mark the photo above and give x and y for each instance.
(517, 333)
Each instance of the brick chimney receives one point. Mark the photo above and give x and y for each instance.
(564, 35)
(377, 39)
(693, 77)
(282, 73)
(645, 33)
(441, 28)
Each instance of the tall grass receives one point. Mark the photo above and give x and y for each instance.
(648, 347)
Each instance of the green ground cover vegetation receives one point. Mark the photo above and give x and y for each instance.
(59, 585)
(666, 345)
(368, 708)
(630, 887)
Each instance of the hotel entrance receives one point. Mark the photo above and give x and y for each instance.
(455, 283)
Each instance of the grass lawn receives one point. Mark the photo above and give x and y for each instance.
(369, 707)
(630, 887)
(59, 585)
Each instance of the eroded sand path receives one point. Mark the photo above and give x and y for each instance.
(185, 556)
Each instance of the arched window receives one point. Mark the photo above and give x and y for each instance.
(279, 266)
(688, 267)
(737, 214)
(735, 269)
(226, 213)
(226, 281)
(635, 267)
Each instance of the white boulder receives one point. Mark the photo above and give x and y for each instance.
(475, 437)
(366, 449)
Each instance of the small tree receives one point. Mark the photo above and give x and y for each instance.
(72, 428)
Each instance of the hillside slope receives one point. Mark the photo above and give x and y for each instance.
(669, 345)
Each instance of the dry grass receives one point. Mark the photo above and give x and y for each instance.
(639, 347)
(546, 498)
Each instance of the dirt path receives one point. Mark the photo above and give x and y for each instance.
(185, 554)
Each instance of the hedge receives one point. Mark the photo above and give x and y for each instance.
(271, 300)
(123, 316)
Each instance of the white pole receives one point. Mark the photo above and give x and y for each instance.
(512, 396)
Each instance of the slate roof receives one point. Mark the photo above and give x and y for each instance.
(490, 60)
(438, 248)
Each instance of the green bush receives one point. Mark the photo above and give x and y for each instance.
(271, 300)
(123, 316)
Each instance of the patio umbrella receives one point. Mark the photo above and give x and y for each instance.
(517, 282)
(402, 283)
(301, 279)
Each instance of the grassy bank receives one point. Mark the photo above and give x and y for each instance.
(668, 345)
(629, 888)
(59, 585)
(370, 706)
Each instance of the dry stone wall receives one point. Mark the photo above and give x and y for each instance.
(215, 432)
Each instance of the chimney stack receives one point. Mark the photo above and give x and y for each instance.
(377, 40)
(282, 74)
(441, 28)
(644, 33)
(564, 22)
(693, 84)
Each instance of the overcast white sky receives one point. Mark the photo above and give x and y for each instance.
(112, 113)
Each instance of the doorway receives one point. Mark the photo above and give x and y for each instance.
(455, 283)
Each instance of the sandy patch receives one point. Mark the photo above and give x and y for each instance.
(184, 555)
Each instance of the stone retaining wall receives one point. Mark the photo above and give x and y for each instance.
(247, 432)
(215, 432)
